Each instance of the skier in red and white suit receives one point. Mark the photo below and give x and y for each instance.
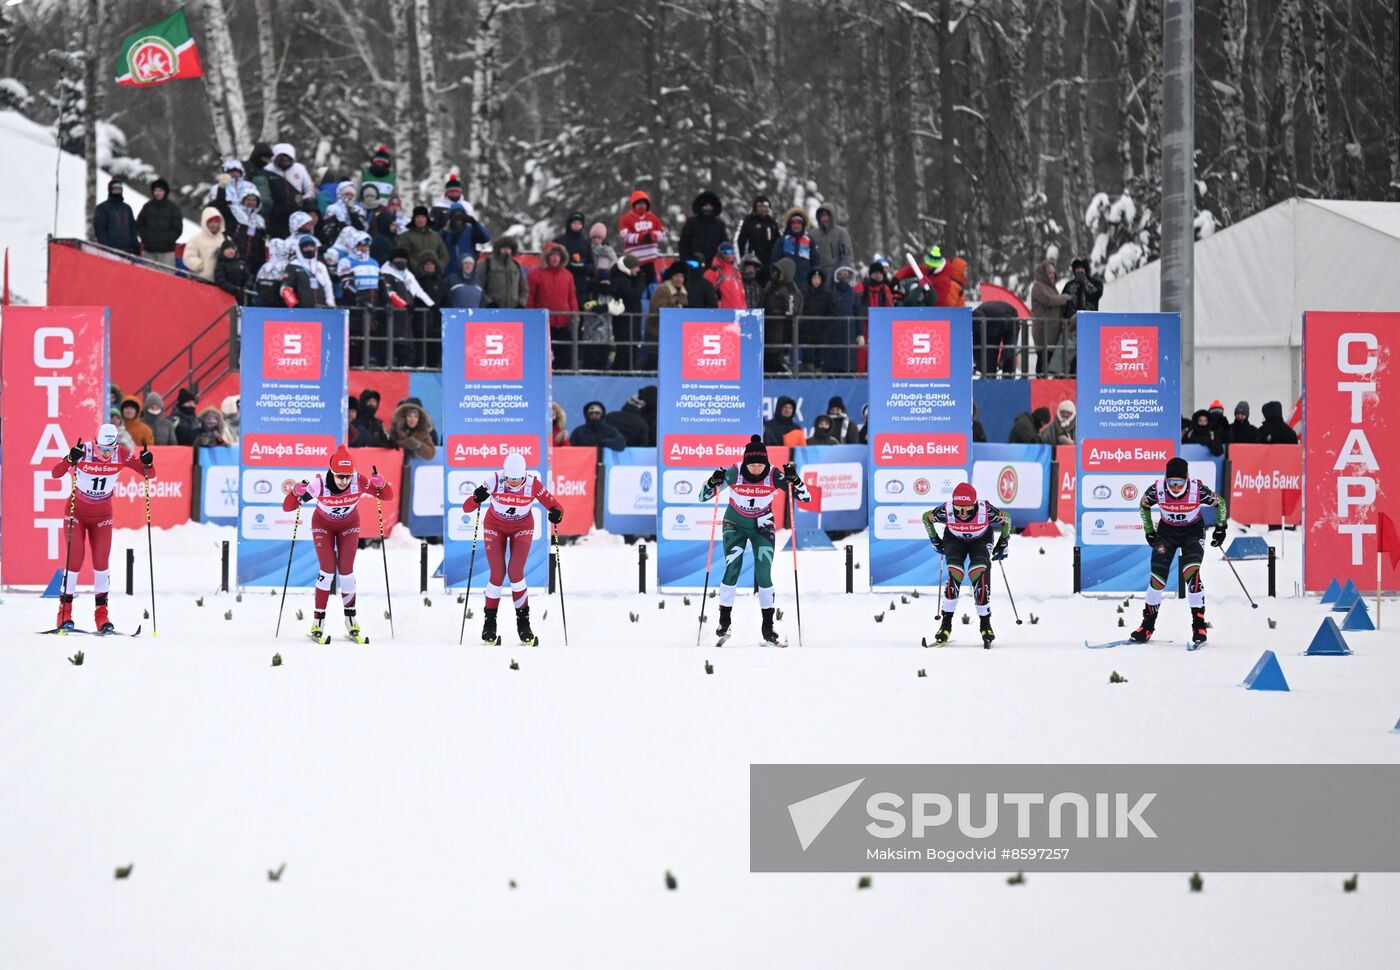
(335, 530)
(509, 525)
(94, 467)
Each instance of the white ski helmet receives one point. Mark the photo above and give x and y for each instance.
(107, 437)
(514, 466)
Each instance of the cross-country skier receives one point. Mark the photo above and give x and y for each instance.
(749, 521)
(970, 534)
(335, 531)
(94, 467)
(509, 526)
(1179, 498)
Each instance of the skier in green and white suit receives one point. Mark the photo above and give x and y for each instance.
(749, 520)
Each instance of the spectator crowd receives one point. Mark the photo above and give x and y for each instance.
(272, 235)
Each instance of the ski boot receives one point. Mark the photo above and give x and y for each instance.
(770, 635)
(100, 620)
(489, 636)
(318, 628)
(522, 627)
(65, 614)
(984, 623)
(722, 633)
(1198, 627)
(352, 628)
(1149, 624)
(945, 630)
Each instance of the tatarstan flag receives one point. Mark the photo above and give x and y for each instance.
(162, 52)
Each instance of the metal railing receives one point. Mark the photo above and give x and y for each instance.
(207, 359)
(595, 343)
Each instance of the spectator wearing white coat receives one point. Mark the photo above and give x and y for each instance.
(202, 249)
(284, 163)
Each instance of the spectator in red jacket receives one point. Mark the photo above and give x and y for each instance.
(727, 278)
(872, 291)
(642, 234)
(551, 287)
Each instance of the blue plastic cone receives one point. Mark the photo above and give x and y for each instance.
(1349, 595)
(51, 591)
(1358, 617)
(1267, 674)
(1334, 589)
(1328, 641)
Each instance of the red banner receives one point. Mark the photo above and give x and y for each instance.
(1351, 455)
(1265, 484)
(53, 391)
(171, 491)
(389, 461)
(575, 478)
(1064, 457)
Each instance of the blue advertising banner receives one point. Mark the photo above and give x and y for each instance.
(709, 403)
(495, 401)
(217, 471)
(629, 491)
(839, 471)
(293, 377)
(1014, 478)
(1128, 426)
(920, 433)
(423, 508)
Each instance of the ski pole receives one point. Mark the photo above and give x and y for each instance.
(296, 524)
(379, 506)
(796, 587)
(150, 550)
(471, 568)
(1009, 594)
(709, 561)
(1253, 605)
(72, 517)
(559, 575)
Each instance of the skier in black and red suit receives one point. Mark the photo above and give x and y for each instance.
(94, 467)
(335, 530)
(1180, 500)
(975, 532)
(508, 525)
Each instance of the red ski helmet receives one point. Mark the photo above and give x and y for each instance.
(341, 462)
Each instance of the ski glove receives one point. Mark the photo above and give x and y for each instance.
(1151, 538)
(146, 457)
(75, 454)
(937, 544)
(716, 478)
(481, 494)
(556, 515)
(376, 481)
(1217, 535)
(301, 491)
(999, 550)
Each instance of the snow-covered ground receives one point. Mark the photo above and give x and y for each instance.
(407, 783)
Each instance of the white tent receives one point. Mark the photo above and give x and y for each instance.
(1255, 279)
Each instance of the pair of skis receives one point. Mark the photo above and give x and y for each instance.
(75, 631)
(1123, 643)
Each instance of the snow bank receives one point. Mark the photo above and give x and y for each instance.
(27, 218)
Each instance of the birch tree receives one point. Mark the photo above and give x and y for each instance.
(270, 68)
(224, 63)
(401, 16)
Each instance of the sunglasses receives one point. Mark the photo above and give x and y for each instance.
(1176, 483)
(964, 508)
